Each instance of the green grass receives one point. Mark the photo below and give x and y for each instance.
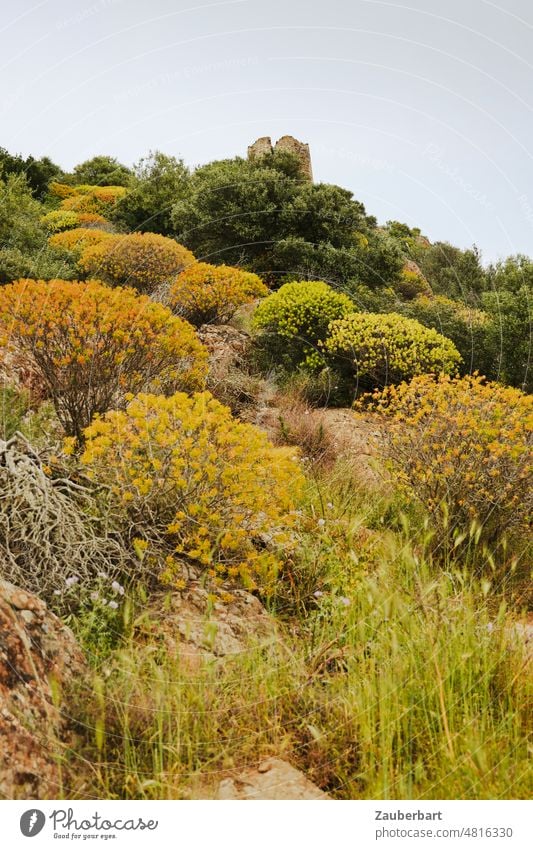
(415, 689)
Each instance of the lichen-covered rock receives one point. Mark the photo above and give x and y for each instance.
(272, 779)
(37, 654)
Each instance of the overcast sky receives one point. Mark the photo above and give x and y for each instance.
(424, 109)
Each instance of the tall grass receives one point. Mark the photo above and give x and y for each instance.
(395, 680)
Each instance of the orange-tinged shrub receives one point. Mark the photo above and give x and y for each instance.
(78, 239)
(91, 199)
(192, 478)
(92, 219)
(462, 447)
(141, 260)
(205, 293)
(92, 344)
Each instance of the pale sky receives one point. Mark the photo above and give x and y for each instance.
(424, 109)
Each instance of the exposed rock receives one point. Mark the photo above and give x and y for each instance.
(272, 779)
(36, 650)
(227, 346)
(197, 628)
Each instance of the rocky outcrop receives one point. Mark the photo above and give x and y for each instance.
(37, 654)
(197, 628)
(272, 779)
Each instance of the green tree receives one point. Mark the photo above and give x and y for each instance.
(159, 181)
(258, 214)
(512, 335)
(38, 172)
(24, 250)
(101, 171)
(451, 271)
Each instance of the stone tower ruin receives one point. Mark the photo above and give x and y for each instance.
(263, 146)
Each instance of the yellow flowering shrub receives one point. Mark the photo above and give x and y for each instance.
(78, 239)
(462, 447)
(374, 349)
(92, 344)
(92, 199)
(60, 219)
(205, 293)
(293, 321)
(141, 260)
(203, 484)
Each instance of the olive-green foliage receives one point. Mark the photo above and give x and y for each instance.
(370, 350)
(38, 172)
(294, 320)
(23, 238)
(159, 181)
(471, 330)
(101, 171)
(511, 335)
(258, 213)
(451, 271)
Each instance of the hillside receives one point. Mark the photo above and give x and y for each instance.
(266, 490)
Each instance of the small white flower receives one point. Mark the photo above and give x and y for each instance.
(104, 601)
(94, 596)
(318, 594)
(490, 627)
(103, 575)
(57, 592)
(113, 605)
(321, 523)
(330, 506)
(117, 587)
(71, 581)
(345, 601)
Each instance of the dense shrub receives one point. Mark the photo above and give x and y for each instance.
(463, 448)
(467, 327)
(411, 283)
(211, 294)
(158, 182)
(102, 171)
(60, 219)
(93, 199)
(295, 319)
(141, 260)
(198, 481)
(76, 241)
(371, 350)
(92, 344)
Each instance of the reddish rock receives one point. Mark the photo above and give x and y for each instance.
(37, 654)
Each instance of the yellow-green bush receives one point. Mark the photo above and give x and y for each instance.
(60, 219)
(370, 349)
(75, 241)
(462, 447)
(205, 293)
(293, 321)
(91, 344)
(203, 484)
(141, 260)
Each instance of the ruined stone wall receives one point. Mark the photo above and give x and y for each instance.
(292, 145)
(263, 146)
(260, 147)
